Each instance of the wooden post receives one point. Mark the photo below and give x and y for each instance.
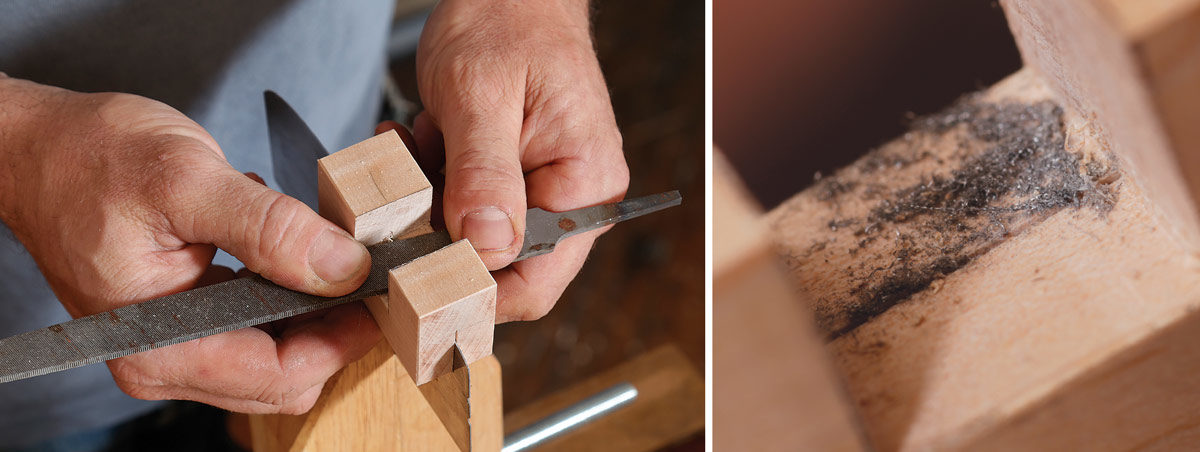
(375, 190)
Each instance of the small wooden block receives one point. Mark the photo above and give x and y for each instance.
(436, 301)
(374, 189)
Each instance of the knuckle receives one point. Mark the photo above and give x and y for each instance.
(138, 391)
(119, 105)
(536, 311)
(602, 169)
(133, 381)
(296, 409)
(300, 405)
(279, 217)
(468, 80)
(477, 171)
(609, 167)
(268, 393)
(282, 396)
(178, 172)
(616, 180)
(536, 307)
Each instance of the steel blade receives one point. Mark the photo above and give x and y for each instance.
(188, 315)
(294, 150)
(543, 230)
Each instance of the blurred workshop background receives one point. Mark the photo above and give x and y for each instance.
(643, 285)
(813, 85)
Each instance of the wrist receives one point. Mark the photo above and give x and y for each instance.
(24, 107)
(563, 12)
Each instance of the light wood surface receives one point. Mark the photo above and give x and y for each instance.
(375, 190)
(985, 290)
(668, 408)
(487, 405)
(372, 405)
(774, 386)
(1131, 67)
(449, 396)
(437, 301)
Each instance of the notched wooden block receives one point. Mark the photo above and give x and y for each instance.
(436, 301)
(374, 189)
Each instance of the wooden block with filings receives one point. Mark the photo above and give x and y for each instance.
(1130, 67)
(437, 301)
(1000, 278)
(375, 190)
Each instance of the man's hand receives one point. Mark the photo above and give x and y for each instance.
(120, 199)
(516, 89)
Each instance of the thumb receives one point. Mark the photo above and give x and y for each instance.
(484, 199)
(276, 236)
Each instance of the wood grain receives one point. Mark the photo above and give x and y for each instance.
(479, 384)
(487, 405)
(1052, 301)
(374, 190)
(774, 387)
(669, 406)
(372, 405)
(437, 301)
(449, 396)
(1130, 67)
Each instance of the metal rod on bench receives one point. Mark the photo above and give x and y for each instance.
(571, 418)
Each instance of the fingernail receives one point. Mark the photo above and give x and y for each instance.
(488, 229)
(335, 257)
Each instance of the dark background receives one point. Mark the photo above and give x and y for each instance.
(807, 86)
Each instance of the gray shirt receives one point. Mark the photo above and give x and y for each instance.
(211, 60)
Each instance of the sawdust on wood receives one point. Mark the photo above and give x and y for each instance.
(983, 172)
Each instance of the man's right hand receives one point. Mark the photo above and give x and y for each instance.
(121, 199)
